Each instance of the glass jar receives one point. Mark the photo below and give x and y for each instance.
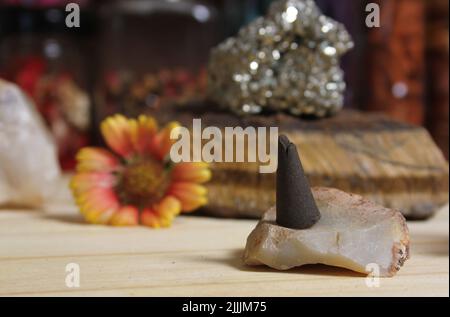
(45, 58)
(153, 54)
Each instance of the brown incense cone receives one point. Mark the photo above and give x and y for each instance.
(295, 206)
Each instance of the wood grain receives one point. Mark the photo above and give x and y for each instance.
(198, 256)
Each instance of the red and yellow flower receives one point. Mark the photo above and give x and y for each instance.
(136, 183)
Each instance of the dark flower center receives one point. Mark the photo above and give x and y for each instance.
(143, 183)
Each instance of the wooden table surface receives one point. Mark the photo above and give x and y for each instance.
(197, 256)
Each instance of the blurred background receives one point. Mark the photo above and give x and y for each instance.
(127, 56)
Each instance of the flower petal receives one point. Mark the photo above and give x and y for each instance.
(125, 216)
(97, 204)
(191, 172)
(191, 195)
(117, 131)
(162, 214)
(168, 209)
(150, 218)
(146, 128)
(82, 182)
(97, 198)
(162, 143)
(92, 159)
(100, 217)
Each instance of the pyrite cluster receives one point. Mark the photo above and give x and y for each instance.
(286, 61)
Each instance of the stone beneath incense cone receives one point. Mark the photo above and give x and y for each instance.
(351, 233)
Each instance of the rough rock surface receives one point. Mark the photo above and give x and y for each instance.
(285, 61)
(29, 169)
(352, 233)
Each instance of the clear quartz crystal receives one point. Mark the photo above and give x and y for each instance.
(29, 170)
